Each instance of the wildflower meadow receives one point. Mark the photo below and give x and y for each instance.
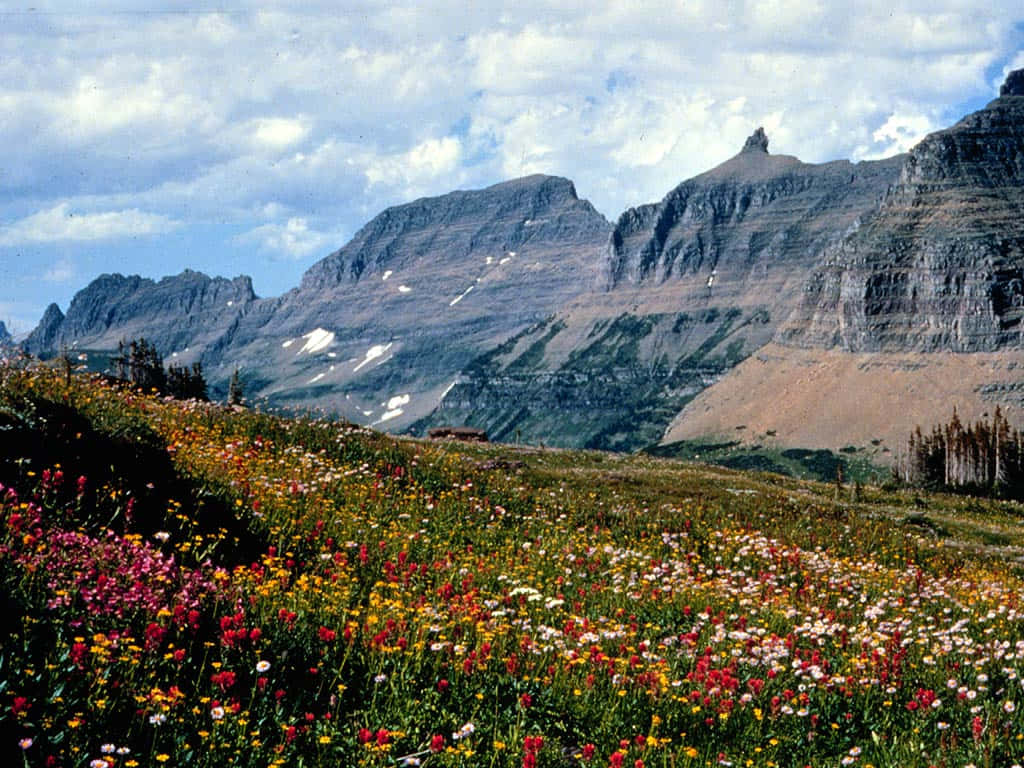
(186, 584)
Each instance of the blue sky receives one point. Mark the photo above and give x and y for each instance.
(144, 139)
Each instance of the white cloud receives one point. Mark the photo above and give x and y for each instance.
(293, 238)
(60, 223)
(426, 162)
(279, 132)
(901, 132)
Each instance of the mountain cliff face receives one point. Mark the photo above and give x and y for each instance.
(42, 340)
(380, 329)
(176, 313)
(939, 265)
(688, 288)
(491, 227)
(755, 217)
(916, 311)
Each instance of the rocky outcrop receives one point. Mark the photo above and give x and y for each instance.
(43, 340)
(756, 217)
(176, 313)
(1013, 85)
(5, 335)
(939, 266)
(542, 213)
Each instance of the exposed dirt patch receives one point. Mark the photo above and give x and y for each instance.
(832, 399)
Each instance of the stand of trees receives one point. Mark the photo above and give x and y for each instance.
(139, 362)
(986, 457)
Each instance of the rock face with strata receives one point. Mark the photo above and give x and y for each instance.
(757, 217)
(178, 313)
(520, 310)
(938, 266)
(689, 287)
(418, 293)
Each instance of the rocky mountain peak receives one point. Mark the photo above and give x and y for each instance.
(175, 313)
(756, 142)
(43, 339)
(4, 333)
(1014, 84)
(502, 218)
(752, 214)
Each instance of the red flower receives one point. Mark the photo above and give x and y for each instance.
(364, 735)
(437, 743)
(533, 744)
(587, 753)
(526, 701)
(21, 705)
(78, 654)
(327, 635)
(224, 679)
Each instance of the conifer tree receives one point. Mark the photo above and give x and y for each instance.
(235, 393)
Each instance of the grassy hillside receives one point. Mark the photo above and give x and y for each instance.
(190, 585)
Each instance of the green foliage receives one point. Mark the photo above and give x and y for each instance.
(140, 364)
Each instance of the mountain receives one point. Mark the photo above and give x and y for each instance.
(915, 311)
(768, 299)
(177, 313)
(379, 329)
(689, 287)
(43, 340)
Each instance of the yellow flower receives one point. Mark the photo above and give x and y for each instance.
(163, 757)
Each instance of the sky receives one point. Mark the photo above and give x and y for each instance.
(256, 139)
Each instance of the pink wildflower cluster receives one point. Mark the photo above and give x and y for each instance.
(116, 576)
